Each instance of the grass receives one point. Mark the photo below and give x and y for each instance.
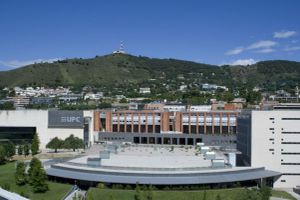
(108, 194)
(225, 194)
(282, 194)
(56, 192)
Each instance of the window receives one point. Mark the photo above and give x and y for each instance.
(271, 139)
(292, 174)
(290, 163)
(271, 149)
(282, 181)
(290, 153)
(271, 118)
(290, 118)
(271, 129)
(284, 132)
(290, 142)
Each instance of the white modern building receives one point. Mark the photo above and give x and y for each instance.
(145, 91)
(21, 125)
(271, 139)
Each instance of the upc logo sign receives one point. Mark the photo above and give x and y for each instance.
(70, 119)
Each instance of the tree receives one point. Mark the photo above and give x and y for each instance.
(265, 192)
(34, 163)
(55, 144)
(26, 149)
(20, 150)
(123, 100)
(137, 195)
(37, 176)
(35, 144)
(10, 150)
(149, 193)
(7, 106)
(20, 176)
(2, 154)
(74, 143)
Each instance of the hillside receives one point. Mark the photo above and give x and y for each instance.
(121, 70)
(104, 70)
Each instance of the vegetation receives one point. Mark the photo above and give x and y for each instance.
(20, 176)
(2, 154)
(7, 177)
(126, 73)
(55, 144)
(26, 149)
(224, 194)
(7, 151)
(70, 142)
(10, 149)
(73, 143)
(37, 176)
(20, 150)
(7, 105)
(35, 145)
(281, 194)
(137, 195)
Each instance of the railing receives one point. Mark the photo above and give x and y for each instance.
(147, 168)
(74, 188)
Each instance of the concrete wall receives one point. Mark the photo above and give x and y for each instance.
(269, 148)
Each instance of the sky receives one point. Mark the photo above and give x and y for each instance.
(212, 31)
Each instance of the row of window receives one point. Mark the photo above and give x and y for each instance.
(290, 153)
(291, 174)
(290, 142)
(284, 132)
(290, 163)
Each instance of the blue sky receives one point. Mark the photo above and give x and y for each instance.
(212, 31)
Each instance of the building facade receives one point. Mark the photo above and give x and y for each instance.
(165, 127)
(272, 139)
(20, 125)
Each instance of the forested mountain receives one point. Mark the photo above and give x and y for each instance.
(118, 70)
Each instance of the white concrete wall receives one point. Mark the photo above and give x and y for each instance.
(264, 140)
(39, 119)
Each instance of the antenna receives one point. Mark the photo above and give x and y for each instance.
(121, 49)
(121, 46)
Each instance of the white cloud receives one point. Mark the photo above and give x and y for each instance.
(284, 34)
(235, 51)
(266, 50)
(262, 44)
(20, 63)
(294, 41)
(295, 48)
(243, 62)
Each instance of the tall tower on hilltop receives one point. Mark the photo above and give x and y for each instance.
(121, 49)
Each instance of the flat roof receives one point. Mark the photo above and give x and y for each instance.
(155, 165)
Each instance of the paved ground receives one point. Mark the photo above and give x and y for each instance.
(151, 157)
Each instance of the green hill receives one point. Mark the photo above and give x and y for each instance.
(122, 70)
